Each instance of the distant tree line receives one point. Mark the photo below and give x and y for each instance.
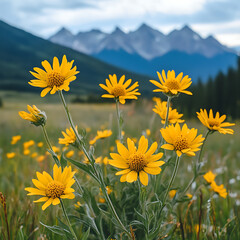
(221, 94)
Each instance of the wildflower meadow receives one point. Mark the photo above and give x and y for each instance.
(121, 171)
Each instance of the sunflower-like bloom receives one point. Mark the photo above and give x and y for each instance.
(136, 162)
(69, 137)
(15, 139)
(183, 140)
(215, 123)
(35, 116)
(219, 189)
(52, 189)
(54, 78)
(119, 90)
(209, 177)
(171, 85)
(173, 115)
(101, 135)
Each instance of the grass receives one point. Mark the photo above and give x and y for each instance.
(221, 154)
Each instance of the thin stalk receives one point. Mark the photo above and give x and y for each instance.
(99, 176)
(69, 224)
(119, 121)
(200, 153)
(172, 180)
(196, 165)
(168, 106)
(46, 138)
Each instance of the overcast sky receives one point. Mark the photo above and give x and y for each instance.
(220, 18)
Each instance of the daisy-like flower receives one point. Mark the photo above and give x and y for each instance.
(69, 137)
(35, 116)
(173, 115)
(52, 189)
(119, 90)
(101, 135)
(54, 78)
(183, 140)
(15, 139)
(215, 123)
(219, 189)
(171, 85)
(209, 177)
(11, 155)
(136, 162)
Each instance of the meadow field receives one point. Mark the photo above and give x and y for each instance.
(217, 217)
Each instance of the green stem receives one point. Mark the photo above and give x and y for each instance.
(171, 181)
(167, 113)
(120, 137)
(54, 155)
(99, 176)
(69, 224)
(196, 165)
(200, 154)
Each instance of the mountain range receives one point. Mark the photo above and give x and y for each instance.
(147, 50)
(20, 51)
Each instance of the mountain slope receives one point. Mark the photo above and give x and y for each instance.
(21, 51)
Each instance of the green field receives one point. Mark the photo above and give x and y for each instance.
(219, 220)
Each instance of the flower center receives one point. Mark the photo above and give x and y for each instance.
(172, 84)
(181, 143)
(55, 79)
(118, 91)
(137, 162)
(213, 122)
(55, 189)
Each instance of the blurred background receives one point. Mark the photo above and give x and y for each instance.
(200, 38)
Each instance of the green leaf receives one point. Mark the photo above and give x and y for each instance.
(85, 235)
(63, 160)
(56, 229)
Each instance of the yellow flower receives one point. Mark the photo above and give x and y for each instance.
(215, 123)
(173, 115)
(34, 155)
(137, 162)
(171, 85)
(28, 144)
(70, 154)
(52, 189)
(26, 152)
(35, 116)
(148, 132)
(41, 158)
(101, 200)
(119, 90)
(54, 78)
(55, 149)
(101, 135)
(69, 137)
(220, 190)
(183, 140)
(189, 195)
(40, 144)
(15, 139)
(11, 155)
(172, 193)
(209, 176)
(78, 205)
(109, 190)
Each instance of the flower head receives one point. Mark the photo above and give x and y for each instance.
(54, 78)
(215, 123)
(69, 137)
(52, 189)
(15, 139)
(220, 190)
(35, 116)
(11, 155)
(101, 135)
(183, 140)
(171, 85)
(172, 193)
(119, 90)
(173, 115)
(209, 177)
(136, 162)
